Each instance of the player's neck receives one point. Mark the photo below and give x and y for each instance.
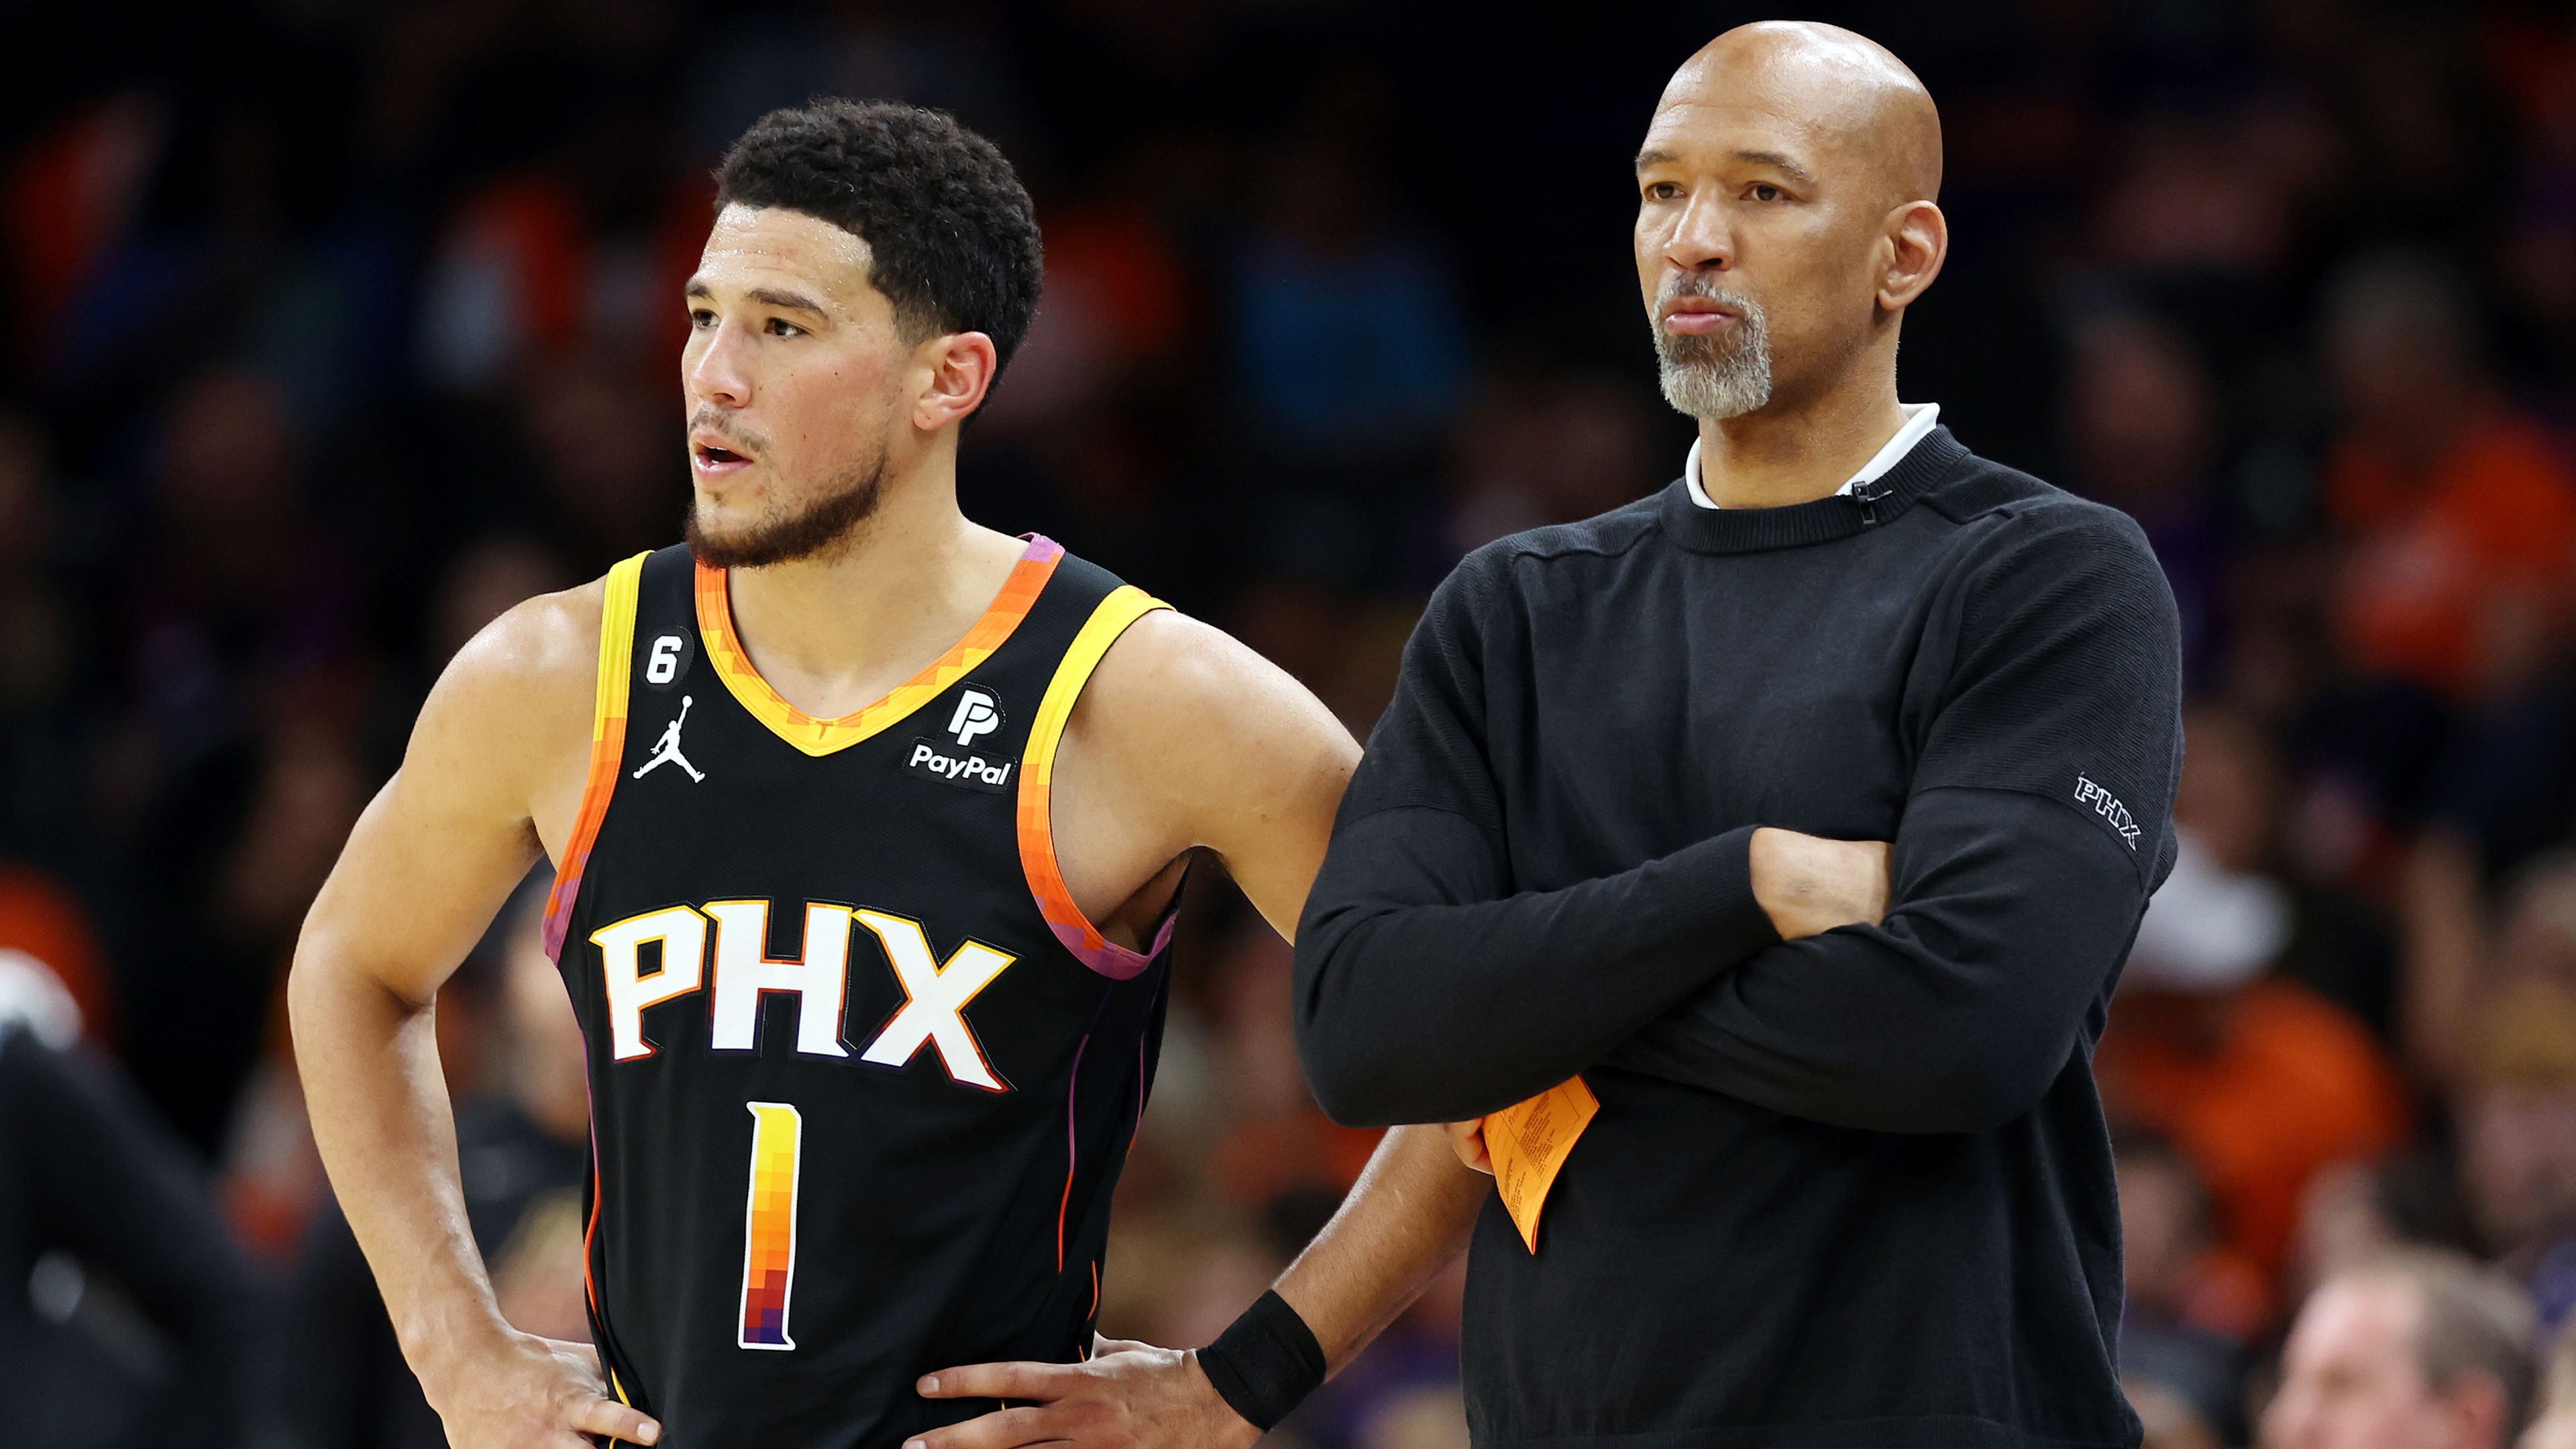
(1797, 450)
(835, 632)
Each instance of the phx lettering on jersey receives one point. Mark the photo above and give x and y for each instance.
(936, 992)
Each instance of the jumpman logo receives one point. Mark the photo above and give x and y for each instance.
(668, 751)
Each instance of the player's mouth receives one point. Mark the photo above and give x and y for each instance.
(1700, 316)
(713, 456)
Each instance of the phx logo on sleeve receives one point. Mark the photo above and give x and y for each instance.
(977, 714)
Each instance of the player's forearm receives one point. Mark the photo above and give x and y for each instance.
(1410, 1214)
(387, 1136)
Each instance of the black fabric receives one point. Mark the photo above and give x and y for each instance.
(1853, 1189)
(1265, 1363)
(87, 1170)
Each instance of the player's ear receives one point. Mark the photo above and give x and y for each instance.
(959, 369)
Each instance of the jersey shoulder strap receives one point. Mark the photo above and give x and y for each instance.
(1096, 608)
(607, 743)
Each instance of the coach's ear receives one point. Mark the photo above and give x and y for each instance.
(956, 369)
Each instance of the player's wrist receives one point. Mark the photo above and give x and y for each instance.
(456, 1350)
(1265, 1363)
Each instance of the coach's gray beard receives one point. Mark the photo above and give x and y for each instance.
(1724, 376)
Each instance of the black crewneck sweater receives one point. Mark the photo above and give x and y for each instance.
(1848, 1191)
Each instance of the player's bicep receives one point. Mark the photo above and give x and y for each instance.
(1250, 764)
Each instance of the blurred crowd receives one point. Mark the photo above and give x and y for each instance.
(342, 325)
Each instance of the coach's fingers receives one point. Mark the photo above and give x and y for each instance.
(617, 1421)
(1002, 1381)
(1001, 1429)
(1467, 1139)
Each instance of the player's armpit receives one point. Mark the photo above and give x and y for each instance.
(1209, 744)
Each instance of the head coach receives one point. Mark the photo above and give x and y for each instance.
(1804, 811)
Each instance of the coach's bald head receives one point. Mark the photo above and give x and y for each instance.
(1786, 215)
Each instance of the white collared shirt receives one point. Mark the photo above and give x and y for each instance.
(1919, 420)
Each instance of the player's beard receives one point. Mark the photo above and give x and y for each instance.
(821, 526)
(1714, 375)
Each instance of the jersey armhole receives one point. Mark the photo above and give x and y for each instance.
(607, 744)
(1123, 607)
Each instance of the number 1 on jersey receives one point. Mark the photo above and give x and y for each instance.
(769, 1225)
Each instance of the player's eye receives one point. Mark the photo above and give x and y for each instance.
(701, 317)
(1765, 191)
(781, 327)
(1663, 191)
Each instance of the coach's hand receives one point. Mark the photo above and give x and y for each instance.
(1809, 885)
(1129, 1396)
(532, 1393)
(1467, 1139)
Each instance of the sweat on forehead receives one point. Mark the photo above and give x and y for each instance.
(1848, 92)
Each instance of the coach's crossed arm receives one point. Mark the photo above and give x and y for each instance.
(2019, 877)
(1427, 991)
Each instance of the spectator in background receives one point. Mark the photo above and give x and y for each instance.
(2258, 1081)
(2420, 1350)
(522, 1140)
(2190, 1303)
(2461, 515)
(2142, 432)
(1348, 334)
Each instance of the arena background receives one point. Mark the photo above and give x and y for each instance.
(338, 326)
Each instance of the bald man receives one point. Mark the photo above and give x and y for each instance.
(1742, 876)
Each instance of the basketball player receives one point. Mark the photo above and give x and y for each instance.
(868, 825)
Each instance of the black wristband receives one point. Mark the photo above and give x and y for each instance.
(1266, 1363)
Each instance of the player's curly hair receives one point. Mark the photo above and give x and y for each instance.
(951, 234)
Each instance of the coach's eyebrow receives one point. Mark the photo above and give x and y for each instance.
(1777, 162)
(1652, 158)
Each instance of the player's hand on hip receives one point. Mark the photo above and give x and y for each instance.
(1467, 1139)
(1130, 1396)
(1809, 885)
(532, 1393)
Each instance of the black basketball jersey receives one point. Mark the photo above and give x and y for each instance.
(862, 1076)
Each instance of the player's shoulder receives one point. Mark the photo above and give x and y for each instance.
(545, 641)
(1176, 695)
(1170, 665)
(530, 676)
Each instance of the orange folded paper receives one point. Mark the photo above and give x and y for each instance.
(1529, 1142)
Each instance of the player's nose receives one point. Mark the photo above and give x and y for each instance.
(717, 371)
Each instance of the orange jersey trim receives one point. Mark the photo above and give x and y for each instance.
(820, 737)
(607, 745)
(1037, 777)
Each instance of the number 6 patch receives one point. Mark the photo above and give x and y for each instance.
(667, 661)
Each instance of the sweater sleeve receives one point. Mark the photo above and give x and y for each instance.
(1428, 988)
(113, 1190)
(2036, 829)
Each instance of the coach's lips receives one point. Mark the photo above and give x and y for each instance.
(713, 455)
(1697, 316)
